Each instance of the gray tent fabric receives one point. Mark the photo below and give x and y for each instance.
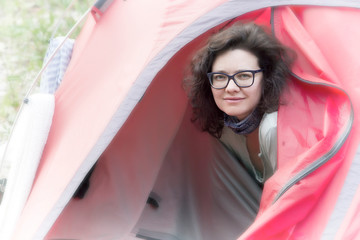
(189, 202)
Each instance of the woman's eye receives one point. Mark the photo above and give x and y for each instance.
(219, 77)
(243, 76)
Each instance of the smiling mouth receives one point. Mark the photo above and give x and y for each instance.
(233, 99)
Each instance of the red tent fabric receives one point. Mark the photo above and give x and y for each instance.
(318, 133)
(121, 104)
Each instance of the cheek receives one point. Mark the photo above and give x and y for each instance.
(254, 95)
(213, 91)
(216, 94)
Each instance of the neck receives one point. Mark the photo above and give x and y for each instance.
(245, 126)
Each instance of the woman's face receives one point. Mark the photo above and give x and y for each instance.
(233, 100)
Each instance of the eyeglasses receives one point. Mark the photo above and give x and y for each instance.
(242, 79)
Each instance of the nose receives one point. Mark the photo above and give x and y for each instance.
(232, 87)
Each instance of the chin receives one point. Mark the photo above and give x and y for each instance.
(239, 115)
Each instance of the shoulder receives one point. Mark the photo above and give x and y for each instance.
(268, 142)
(268, 124)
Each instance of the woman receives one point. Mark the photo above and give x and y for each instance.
(236, 83)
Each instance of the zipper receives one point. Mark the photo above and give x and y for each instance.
(327, 156)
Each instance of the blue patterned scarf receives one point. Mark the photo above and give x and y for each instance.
(245, 126)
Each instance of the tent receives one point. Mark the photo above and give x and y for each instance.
(121, 107)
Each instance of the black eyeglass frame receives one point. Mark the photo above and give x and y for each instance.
(232, 77)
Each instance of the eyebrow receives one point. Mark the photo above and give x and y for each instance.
(242, 70)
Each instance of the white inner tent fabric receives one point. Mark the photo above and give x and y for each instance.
(22, 157)
(122, 108)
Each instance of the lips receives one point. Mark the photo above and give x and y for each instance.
(233, 99)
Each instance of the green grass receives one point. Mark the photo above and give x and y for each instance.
(25, 30)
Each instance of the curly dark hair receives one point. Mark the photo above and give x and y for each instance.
(274, 58)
